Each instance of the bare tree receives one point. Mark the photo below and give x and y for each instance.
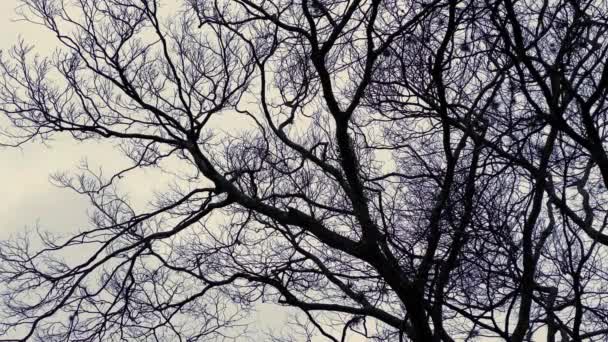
(423, 170)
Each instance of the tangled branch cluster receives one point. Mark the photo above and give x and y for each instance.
(404, 170)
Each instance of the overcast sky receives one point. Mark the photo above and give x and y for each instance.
(27, 196)
(29, 199)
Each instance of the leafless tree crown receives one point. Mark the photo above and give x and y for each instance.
(402, 170)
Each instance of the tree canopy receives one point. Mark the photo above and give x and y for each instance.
(397, 170)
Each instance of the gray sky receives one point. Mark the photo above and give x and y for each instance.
(27, 196)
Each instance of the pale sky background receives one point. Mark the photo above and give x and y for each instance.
(27, 197)
(26, 194)
(25, 190)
